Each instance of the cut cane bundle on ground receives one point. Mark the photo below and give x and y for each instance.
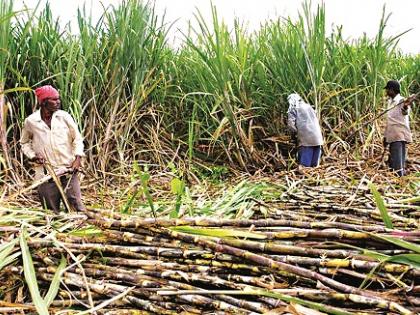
(300, 245)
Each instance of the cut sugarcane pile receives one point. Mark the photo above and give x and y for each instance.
(203, 265)
(292, 244)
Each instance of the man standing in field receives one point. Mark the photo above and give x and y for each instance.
(303, 121)
(51, 137)
(397, 131)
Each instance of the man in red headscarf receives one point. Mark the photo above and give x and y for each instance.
(50, 136)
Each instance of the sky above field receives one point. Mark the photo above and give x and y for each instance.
(356, 16)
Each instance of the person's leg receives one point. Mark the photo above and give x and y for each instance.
(305, 155)
(73, 193)
(50, 196)
(316, 155)
(396, 157)
(403, 157)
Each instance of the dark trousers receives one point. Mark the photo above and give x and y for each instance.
(397, 156)
(309, 156)
(51, 198)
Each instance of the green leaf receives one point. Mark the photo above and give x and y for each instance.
(145, 177)
(30, 276)
(406, 259)
(174, 214)
(177, 186)
(398, 242)
(5, 250)
(89, 231)
(408, 200)
(129, 203)
(8, 260)
(375, 255)
(55, 283)
(381, 206)
(218, 232)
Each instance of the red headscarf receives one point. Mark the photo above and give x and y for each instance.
(46, 91)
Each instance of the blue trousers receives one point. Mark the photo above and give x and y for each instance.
(309, 156)
(397, 156)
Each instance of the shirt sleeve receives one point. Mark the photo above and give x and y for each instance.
(26, 141)
(78, 146)
(291, 118)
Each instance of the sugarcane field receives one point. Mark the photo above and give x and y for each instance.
(227, 169)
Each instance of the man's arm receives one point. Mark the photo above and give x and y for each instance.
(78, 146)
(405, 108)
(77, 143)
(291, 119)
(26, 141)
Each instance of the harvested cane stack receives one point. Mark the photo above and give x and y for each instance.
(310, 248)
(203, 265)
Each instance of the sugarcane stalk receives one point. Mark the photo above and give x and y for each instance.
(358, 275)
(109, 290)
(135, 222)
(350, 263)
(269, 247)
(210, 222)
(274, 265)
(137, 278)
(122, 311)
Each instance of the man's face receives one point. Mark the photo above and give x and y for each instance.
(52, 104)
(390, 93)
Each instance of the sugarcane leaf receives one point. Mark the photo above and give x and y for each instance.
(89, 231)
(144, 178)
(177, 186)
(375, 255)
(8, 260)
(398, 242)
(365, 252)
(55, 283)
(295, 308)
(130, 202)
(30, 276)
(381, 206)
(407, 259)
(5, 250)
(369, 275)
(221, 233)
(175, 213)
(408, 200)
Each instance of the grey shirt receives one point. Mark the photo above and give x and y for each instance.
(302, 120)
(397, 122)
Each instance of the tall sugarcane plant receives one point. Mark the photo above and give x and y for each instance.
(6, 16)
(217, 97)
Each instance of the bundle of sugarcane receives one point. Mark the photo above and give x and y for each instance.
(110, 263)
(320, 202)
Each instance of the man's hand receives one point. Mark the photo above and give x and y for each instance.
(39, 158)
(408, 102)
(405, 106)
(77, 163)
